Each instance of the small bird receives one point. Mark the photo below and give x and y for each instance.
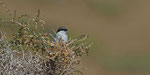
(61, 35)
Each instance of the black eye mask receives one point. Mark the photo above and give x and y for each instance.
(62, 30)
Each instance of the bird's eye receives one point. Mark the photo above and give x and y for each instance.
(65, 30)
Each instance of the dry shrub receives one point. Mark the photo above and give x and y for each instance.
(32, 51)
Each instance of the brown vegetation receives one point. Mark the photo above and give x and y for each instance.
(31, 51)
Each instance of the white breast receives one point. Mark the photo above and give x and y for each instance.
(61, 35)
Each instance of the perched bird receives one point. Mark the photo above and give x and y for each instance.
(61, 35)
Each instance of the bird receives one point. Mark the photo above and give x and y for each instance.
(61, 35)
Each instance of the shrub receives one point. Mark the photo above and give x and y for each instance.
(32, 51)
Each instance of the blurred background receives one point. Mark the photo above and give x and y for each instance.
(120, 30)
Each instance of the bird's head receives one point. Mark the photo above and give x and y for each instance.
(62, 28)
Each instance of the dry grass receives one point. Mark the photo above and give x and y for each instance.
(32, 51)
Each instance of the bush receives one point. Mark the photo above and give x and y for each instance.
(31, 51)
